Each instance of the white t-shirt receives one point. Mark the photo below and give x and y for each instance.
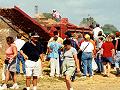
(96, 31)
(89, 48)
(19, 43)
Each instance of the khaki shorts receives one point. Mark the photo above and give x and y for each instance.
(32, 68)
(68, 67)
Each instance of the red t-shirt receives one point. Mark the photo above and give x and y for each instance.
(107, 49)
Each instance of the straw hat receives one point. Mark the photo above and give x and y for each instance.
(87, 37)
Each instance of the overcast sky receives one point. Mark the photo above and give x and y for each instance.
(103, 11)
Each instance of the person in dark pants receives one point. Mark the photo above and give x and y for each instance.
(99, 56)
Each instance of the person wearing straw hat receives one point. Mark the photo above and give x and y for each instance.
(87, 54)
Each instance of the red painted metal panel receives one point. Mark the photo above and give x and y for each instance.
(20, 19)
(34, 21)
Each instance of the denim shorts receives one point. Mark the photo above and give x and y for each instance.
(107, 59)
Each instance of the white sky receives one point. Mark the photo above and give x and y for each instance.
(103, 11)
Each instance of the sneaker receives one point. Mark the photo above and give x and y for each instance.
(83, 77)
(72, 78)
(105, 75)
(71, 88)
(15, 86)
(98, 72)
(52, 75)
(3, 87)
(61, 75)
(91, 76)
(57, 75)
(17, 73)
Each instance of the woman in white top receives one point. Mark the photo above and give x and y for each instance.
(87, 48)
(70, 63)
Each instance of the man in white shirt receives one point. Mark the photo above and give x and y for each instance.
(96, 31)
(19, 44)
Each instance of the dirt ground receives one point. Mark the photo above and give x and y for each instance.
(98, 82)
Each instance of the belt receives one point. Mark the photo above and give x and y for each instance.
(67, 57)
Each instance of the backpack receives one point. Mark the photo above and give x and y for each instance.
(74, 44)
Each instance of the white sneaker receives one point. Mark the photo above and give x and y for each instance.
(3, 87)
(71, 88)
(52, 75)
(57, 75)
(27, 88)
(34, 87)
(83, 77)
(91, 76)
(15, 86)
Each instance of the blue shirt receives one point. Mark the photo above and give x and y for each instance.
(54, 46)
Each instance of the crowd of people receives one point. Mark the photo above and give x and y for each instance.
(69, 56)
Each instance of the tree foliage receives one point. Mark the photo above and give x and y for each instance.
(108, 28)
(88, 21)
(47, 15)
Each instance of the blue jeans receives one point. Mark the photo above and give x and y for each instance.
(117, 64)
(18, 59)
(117, 60)
(99, 64)
(87, 63)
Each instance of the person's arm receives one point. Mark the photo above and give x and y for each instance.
(24, 55)
(116, 45)
(101, 51)
(113, 53)
(103, 34)
(76, 62)
(15, 52)
(42, 57)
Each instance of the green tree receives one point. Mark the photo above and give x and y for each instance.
(47, 15)
(88, 21)
(108, 28)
